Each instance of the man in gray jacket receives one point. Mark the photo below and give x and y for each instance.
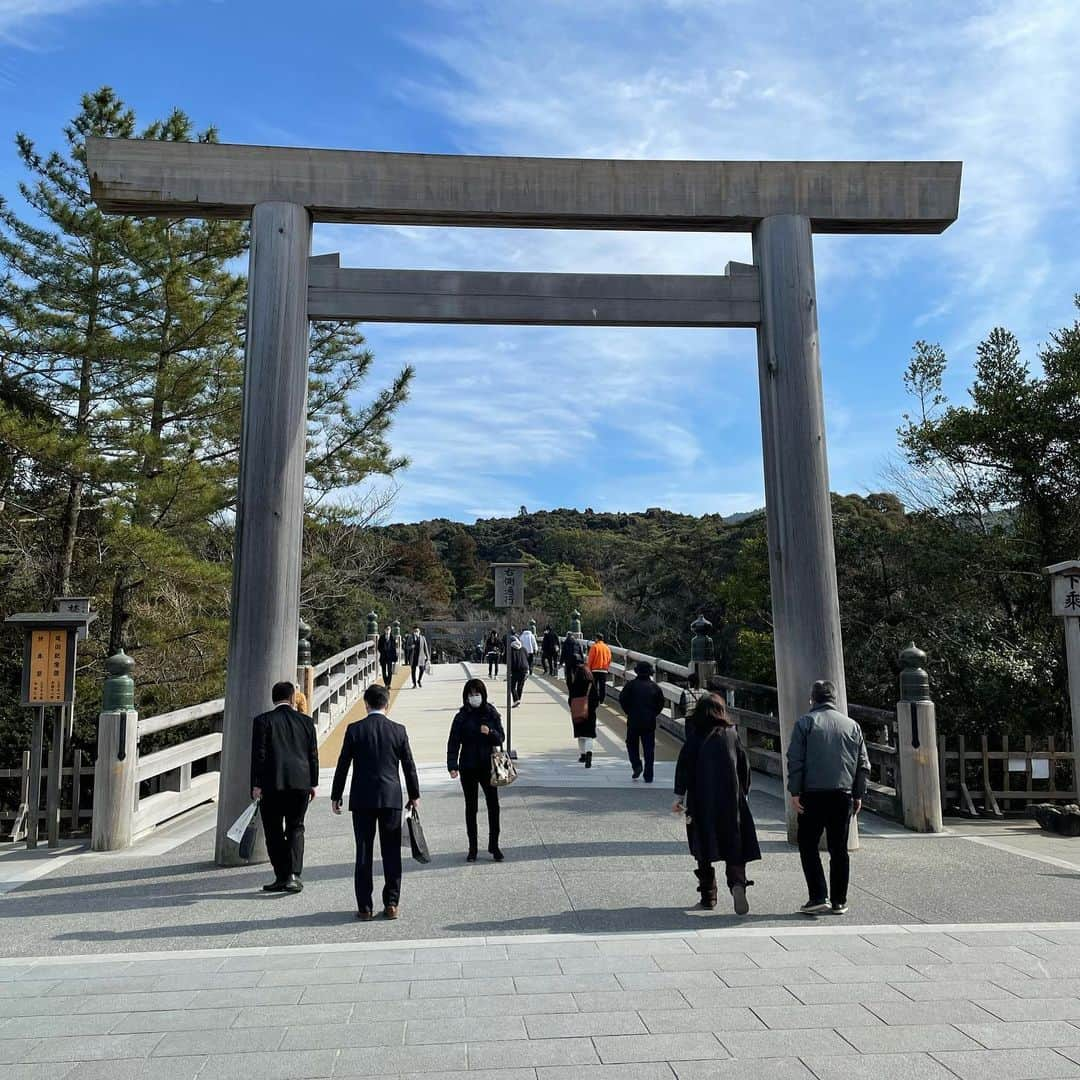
(827, 772)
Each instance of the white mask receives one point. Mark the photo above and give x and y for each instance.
(475, 700)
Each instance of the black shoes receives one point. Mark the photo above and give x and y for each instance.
(581, 760)
(275, 886)
(496, 853)
(366, 915)
(471, 857)
(636, 773)
(588, 760)
(293, 885)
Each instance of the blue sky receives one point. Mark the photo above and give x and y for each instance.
(627, 418)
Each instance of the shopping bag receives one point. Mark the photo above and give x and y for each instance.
(417, 840)
(247, 843)
(240, 825)
(503, 769)
(579, 709)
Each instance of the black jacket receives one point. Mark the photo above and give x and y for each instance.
(549, 645)
(714, 775)
(642, 701)
(284, 751)
(519, 661)
(387, 650)
(467, 748)
(375, 748)
(572, 652)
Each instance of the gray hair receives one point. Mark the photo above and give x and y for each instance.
(824, 690)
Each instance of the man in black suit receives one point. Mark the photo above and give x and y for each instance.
(376, 748)
(284, 776)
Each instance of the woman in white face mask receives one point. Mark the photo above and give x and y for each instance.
(476, 731)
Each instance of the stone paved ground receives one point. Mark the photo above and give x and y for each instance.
(580, 956)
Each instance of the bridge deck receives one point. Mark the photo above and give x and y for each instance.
(582, 949)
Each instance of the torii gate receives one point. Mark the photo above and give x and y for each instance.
(283, 190)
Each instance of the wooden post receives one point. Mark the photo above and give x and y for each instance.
(18, 829)
(33, 802)
(55, 779)
(76, 791)
(270, 507)
(802, 564)
(114, 780)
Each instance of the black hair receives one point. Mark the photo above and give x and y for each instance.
(823, 691)
(474, 685)
(376, 696)
(283, 691)
(710, 712)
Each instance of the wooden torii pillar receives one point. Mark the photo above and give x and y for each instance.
(283, 190)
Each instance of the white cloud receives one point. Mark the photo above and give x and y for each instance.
(18, 18)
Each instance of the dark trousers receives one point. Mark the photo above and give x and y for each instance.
(638, 740)
(283, 821)
(600, 678)
(826, 812)
(417, 674)
(472, 780)
(531, 657)
(365, 824)
(387, 671)
(493, 662)
(550, 665)
(517, 685)
(735, 873)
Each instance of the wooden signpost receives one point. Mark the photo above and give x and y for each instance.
(1065, 602)
(509, 594)
(48, 681)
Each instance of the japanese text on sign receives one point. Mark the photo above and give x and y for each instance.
(509, 586)
(47, 681)
(1067, 595)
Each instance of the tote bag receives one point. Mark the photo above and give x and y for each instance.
(417, 840)
(579, 709)
(503, 769)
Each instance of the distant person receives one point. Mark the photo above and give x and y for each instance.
(300, 702)
(642, 701)
(573, 657)
(284, 776)
(492, 652)
(712, 782)
(599, 662)
(376, 748)
(519, 669)
(418, 655)
(549, 651)
(475, 732)
(583, 702)
(388, 655)
(530, 645)
(827, 772)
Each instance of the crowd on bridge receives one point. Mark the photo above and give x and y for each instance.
(828, 768)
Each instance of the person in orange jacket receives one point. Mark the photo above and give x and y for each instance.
(599, 663)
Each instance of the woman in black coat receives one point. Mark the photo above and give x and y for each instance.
(476, 731)
(583, 686)
(712, 781)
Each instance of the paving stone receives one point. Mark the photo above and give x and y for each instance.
(386, 1061)
(342, 992)
(1014, 1008)
(40, 1072)
(218, 1041)
(273, 961)
(743, 1069)
(532, 1053)
(951, 990)
(566, 984)
(798, 1043)
(1032, 988)
(490, 969)
(172, 1020)
(928, 1012)
(718, 962)
(743, 995)
(626, 1000)
(461, 954)
(462, 987)
(911, 1066)
(654, 946)
(520, 1004)
(89, 1048)
(658, 980)
(12, 1050)
(359, 958)
(1007, 973)
(615, 965)
(840, 993)
(1040, 1064)
(1023, 1033)
(58, 1006)
(294, 1015)
(884, 973)
(211, 980)
(556, 949)
(906, 1038)
(279, 1065)
(330, 1035)
(76, 970)
(577, 1025)
(15, 989)
(671, 1021)
(426, 1008)
(474, 1074)
(42, 1025)
(303, 977)
(410, 972)
(172, 1068)
(469, 1029)
(772, 976)
(686, 1046)
(791, 1017)
(647, 1070)
(259, 995)
(155, 1001)
(815, 958)
(123, 985)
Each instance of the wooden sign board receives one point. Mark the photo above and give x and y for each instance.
(509, 585)
(49, 666)
(1066, 593)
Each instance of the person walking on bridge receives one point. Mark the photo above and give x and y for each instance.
(642, 701)
(474, 733)
(712, 782)
(549, 651)
(284, 776)
(583, 702)
(573, 657)
(529, 644)
(599, 663)
(418, 655)
(377, 751)
(827, 772)
(519, 669)
(493, 653)
(388, 654)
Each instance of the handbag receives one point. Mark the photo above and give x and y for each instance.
(579, 709)
(238, 829)
(247, 843)
(503, 769)
(417, 840)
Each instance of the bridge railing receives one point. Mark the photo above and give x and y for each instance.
(137, 792)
